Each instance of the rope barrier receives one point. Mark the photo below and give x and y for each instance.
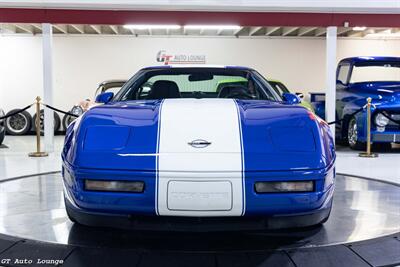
(59, 110)
(351, 115)
(16, 112)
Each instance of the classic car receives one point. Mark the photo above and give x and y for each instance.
(181, 156)
(83, 105)
(2, 127)
(278, 86)
(357, 79)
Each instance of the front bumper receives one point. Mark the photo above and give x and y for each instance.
(197, 224)
(385, 137)
(137, 210)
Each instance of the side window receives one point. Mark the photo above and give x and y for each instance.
(343, 73)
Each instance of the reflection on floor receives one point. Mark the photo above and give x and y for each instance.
(386, 167)
(15, 162)
(33, 208)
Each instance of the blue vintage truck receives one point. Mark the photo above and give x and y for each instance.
(358, 78)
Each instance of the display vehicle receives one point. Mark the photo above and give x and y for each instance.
(83, 105)
(169, 152)
(357, 79)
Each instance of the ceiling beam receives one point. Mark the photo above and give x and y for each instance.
(114, 29)
(78, 28)
(238, 31)
(288, 30)
(37, 26)
(320, 31)
(7, 28)
(342, 31)
(96, 28)
(243, 18)
(25, 28)
(306, 30)
(254, 30)
(61, 28)
(271, 30)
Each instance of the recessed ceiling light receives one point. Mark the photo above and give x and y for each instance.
(212, 27)
(359, 28)
(151, 27)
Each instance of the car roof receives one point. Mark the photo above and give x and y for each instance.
(365, 60)
(197, 66)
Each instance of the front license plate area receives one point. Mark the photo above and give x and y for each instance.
(199, 195)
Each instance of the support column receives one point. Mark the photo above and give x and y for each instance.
(330, 96)
(47, 50)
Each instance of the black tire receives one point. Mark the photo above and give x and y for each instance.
(57, 122)
(67, 119)
(352, 135)
(2, 136)
(19, 124)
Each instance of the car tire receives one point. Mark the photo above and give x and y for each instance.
(57, 122)
(18, 124)
(2, 136)
(352, 135)
(67, 119)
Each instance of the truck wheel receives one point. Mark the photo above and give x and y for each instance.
(352, 135)
(57, 122)
(19, 124)
(67, 121)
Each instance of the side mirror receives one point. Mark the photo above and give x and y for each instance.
(291, 98)
(104, 97)
(300, 95)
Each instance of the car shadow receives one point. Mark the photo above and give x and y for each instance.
(188, 241)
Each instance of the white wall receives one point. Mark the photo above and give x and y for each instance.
(81, 62)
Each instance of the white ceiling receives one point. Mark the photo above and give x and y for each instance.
(355, 6)
(66, 29)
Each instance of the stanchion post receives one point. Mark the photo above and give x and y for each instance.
(368, 153)
(38, 153)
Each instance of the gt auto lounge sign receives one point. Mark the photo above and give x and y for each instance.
(168, 58)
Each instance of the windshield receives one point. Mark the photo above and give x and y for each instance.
(279, 88)
(385, 72)
(196, 83)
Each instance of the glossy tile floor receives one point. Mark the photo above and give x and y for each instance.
(363, 209)
(15, 162)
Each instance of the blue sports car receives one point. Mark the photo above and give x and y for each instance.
(178, 155)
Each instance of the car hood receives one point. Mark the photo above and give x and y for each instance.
(379, 91)
(173, 135)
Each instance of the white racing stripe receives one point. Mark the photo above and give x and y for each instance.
(210, 178)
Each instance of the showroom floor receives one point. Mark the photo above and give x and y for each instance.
(362, 229)
(14, 161)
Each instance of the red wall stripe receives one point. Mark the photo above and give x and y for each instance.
(119, 17)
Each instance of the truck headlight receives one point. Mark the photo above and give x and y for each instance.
(381, 120)
(114, 186)
(282, 187)
(77, 110)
